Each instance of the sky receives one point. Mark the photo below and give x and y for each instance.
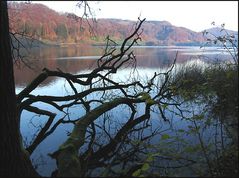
(195, 15)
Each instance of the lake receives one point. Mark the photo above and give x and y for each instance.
(81, 59)
(77, 58)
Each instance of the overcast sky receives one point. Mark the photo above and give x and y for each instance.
(195, 15)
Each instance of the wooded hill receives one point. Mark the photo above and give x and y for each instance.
(49, 26)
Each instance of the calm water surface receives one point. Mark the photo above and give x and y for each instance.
(77, 59)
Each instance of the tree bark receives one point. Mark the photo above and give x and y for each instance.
(14, 161)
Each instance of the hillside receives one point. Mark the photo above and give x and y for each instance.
(49, 26)
(216, 31)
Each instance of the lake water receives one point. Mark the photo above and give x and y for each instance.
(80, 59)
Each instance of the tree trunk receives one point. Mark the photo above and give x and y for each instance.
(14, 161)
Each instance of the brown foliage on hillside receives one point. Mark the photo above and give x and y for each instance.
(45, 24)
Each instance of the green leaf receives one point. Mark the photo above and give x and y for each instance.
(145, 167)
(193, 149)
(150, 158)
(198, 117)
(137, 173)
(189, 149)
(165, 137)
(164, 106)
(197, 147)
(181, 130)
(208, 122)
(136, 142)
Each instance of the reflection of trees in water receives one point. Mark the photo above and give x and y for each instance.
(173, 147)
(40, 58)
(46, 57)
(25, 75)
(168, 153)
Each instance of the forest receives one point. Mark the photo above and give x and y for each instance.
(44, 24)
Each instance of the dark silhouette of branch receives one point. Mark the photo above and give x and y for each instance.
(72, 159)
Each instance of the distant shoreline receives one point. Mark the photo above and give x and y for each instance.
(34, 43)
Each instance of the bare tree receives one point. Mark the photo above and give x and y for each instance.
(81, 153)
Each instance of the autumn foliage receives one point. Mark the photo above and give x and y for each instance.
(47, 25)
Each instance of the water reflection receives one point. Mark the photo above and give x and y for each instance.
(74, 59)
(149, 60)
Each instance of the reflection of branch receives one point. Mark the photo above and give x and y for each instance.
(77, 138)
(108, 150)
(41, 135)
